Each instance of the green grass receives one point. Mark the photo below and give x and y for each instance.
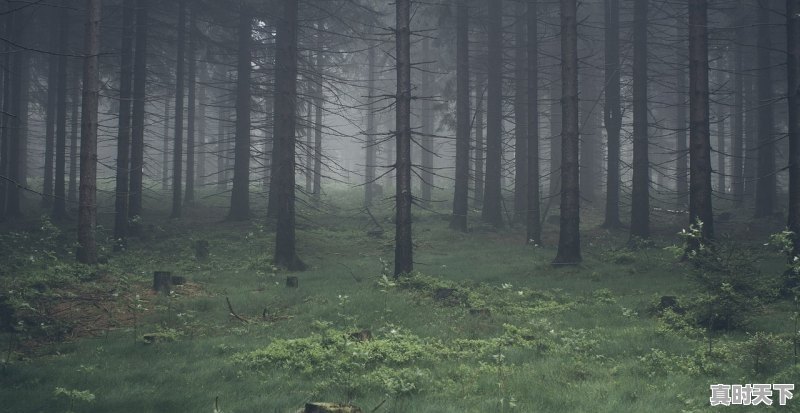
(589, 343)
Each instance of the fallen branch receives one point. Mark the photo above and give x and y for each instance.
(233, 313)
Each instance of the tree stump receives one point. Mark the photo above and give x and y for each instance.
(363, 335)
(7, 319)
(330, 408)
(443, 293)
(201, 250)
(292, 282)
(162, 282)
(480, 312)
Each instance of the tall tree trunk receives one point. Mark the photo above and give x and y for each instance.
(612, 113)
(75, 101)
(640, 197)
(177, 150)
(463, 120)
(533, 216)
(590, 152)
(427, 149)
(240, 195)
(480, 143)
(737, 175)
(190, 109)
(372, 130)
(137, 129)
(520, 117)
(285, 132)
(309, 131)
(555, 135)
(681, 140)
(403, 247)
(87, 208)
(492, 197)
(124, 133)
(319, 101)
(7, 119)
(766, 184)
(793, 72)
(202, 102)
(50, 116)
(569, 241)
(699, 138)
(60, 189)
(17, 126)
(165, 148)
(721, 119)
(222, 145)
(751, 137)
(269, 110)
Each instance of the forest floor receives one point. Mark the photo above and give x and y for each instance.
(487, 325)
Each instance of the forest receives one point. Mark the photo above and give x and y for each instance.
(352, 206)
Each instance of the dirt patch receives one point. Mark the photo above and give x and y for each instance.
(86, 310)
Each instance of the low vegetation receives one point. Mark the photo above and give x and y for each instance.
(486, 324)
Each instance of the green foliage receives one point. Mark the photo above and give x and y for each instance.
(766, 351)
(73, 396)
(731, 288)
(784, 241)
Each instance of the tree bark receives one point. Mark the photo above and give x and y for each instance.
(612, 113)
(75, 101)
(766, 184)
(223, 143)
(458, 221)
(309, 132)
(737, 175)
(200, 121)
(285, 127)
(520, 117)
(319, 102)
(640, 197)
(191, 119)
(137, 130)
(5, 132)
(480, 142)
(427, 147)
(793, 72)
(699, 138)
(721, 132)
(165, 148)
(240, 194)
(533, 216)
(60, 189)
(18, 127)
(555, 135)
(492, 198)
(403, 250)
(87, 209)
(177, 150)
(124, 132)
(372, 130)
(50, 115)
(569, 241)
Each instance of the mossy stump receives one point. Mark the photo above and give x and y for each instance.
(162, 282)
(201, 249)
(330, 408)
